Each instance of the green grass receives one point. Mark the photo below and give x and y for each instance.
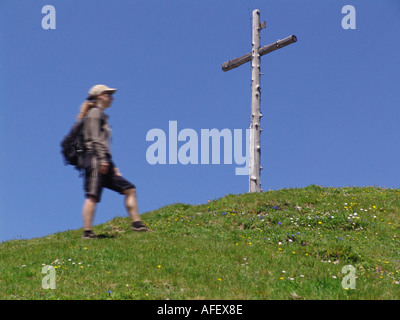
(286, 244)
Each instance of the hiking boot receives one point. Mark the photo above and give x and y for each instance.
(88, 234)
(139, 226)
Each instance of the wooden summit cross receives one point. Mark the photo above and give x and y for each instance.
(255, 130)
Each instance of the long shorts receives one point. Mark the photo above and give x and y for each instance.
(94, 181)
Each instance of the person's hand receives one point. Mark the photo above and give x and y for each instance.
(104, 167)
(117, 173)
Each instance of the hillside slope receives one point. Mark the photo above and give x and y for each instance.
(286, 244)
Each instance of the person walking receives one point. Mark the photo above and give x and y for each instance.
(100, 170)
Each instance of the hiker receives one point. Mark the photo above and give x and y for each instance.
(100, 170)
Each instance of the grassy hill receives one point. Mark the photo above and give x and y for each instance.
(286, 244)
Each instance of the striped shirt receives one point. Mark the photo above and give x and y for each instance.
(97, 134)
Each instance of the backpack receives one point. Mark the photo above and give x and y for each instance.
(73, 147)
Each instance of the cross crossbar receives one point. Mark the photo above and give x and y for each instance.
(236, 62)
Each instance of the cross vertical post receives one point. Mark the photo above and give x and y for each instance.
(255, 130)
(255, 127)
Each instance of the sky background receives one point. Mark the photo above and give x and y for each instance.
(330, 101)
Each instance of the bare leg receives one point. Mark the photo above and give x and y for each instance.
(88, 210)
(131, 204)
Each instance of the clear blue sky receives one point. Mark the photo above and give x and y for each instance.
(330, 101)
